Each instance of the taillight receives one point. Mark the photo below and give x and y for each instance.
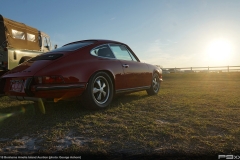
(5, 64)
(48, 80)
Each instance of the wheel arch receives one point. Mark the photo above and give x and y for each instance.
(158, 71)
(111, 75)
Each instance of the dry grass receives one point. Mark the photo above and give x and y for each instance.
(193, 115)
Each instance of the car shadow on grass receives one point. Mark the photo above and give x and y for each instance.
(23, 119)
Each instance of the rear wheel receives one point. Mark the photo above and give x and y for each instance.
(99, 92)
(155, 86)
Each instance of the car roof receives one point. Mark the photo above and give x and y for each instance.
(96, 41)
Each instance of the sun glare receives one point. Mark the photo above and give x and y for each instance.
(219, 50)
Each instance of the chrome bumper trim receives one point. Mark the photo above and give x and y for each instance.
(132, 89)
(59, 87)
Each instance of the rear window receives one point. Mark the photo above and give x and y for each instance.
(46, 57)
(73, 46)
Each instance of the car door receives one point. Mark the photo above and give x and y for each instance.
(107, 61)
(135, 73)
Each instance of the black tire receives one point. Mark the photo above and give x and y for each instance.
(23, 59)
(155, 86)
(99, 92)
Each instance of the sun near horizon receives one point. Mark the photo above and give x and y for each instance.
(219, 50)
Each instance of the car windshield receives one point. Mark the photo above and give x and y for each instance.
(73, 46)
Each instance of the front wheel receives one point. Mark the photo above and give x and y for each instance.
(155, 86)
(99, 92)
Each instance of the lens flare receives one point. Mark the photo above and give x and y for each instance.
(41, 105)
(5, 116)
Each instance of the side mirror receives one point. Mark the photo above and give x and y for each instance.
(55, 46)
(47, 47)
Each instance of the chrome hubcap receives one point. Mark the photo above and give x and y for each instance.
(100, 90)
(155, 84)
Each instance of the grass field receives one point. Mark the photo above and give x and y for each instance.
(193, 115)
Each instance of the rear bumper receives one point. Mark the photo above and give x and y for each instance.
(58, 92)
(48, 91)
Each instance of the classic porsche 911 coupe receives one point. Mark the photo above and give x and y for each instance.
(93, 69)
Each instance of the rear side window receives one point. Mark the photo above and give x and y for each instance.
(73, 46)
(46, 57)
(102, 51)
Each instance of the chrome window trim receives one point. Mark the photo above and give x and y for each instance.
(108, 44)
(102, 56)
(112, 50)
(131, 55)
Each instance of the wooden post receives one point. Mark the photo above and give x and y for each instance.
(228, 68)
(208, 69)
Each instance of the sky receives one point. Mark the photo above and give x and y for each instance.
(170, 33)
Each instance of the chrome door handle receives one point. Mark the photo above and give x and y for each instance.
(125, 65)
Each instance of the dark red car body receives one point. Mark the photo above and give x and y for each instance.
(68, 74)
